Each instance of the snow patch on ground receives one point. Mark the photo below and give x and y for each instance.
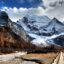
(8, 57)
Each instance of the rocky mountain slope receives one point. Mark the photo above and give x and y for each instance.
(6, 22)
(8, 38)
(12, 35)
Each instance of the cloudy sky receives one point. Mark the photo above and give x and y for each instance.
(17, 9)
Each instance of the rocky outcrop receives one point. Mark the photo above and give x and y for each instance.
(3, 18)
(9, 39)
(59, 40)
(17, 29)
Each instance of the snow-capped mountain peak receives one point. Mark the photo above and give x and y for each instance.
(55, 26)
(34, 22)
(56, 20)
(41, 28)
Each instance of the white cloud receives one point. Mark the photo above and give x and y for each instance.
(50, 11)
(57, 12)
(54, 8)
(47, 3)
(16, 14)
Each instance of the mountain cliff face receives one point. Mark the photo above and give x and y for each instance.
(8, 36)
(17, 29)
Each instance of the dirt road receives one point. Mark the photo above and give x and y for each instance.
(59, 59)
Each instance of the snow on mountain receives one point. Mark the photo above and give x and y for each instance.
(33, 23)
(38, 30)
(54, 27)
(33, 26)
(42, 29)
(57, 39)
(62, 22)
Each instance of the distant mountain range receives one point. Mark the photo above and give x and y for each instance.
(41, 28)
(30, 31)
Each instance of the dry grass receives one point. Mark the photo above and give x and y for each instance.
(41, 54)
(45, 58)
